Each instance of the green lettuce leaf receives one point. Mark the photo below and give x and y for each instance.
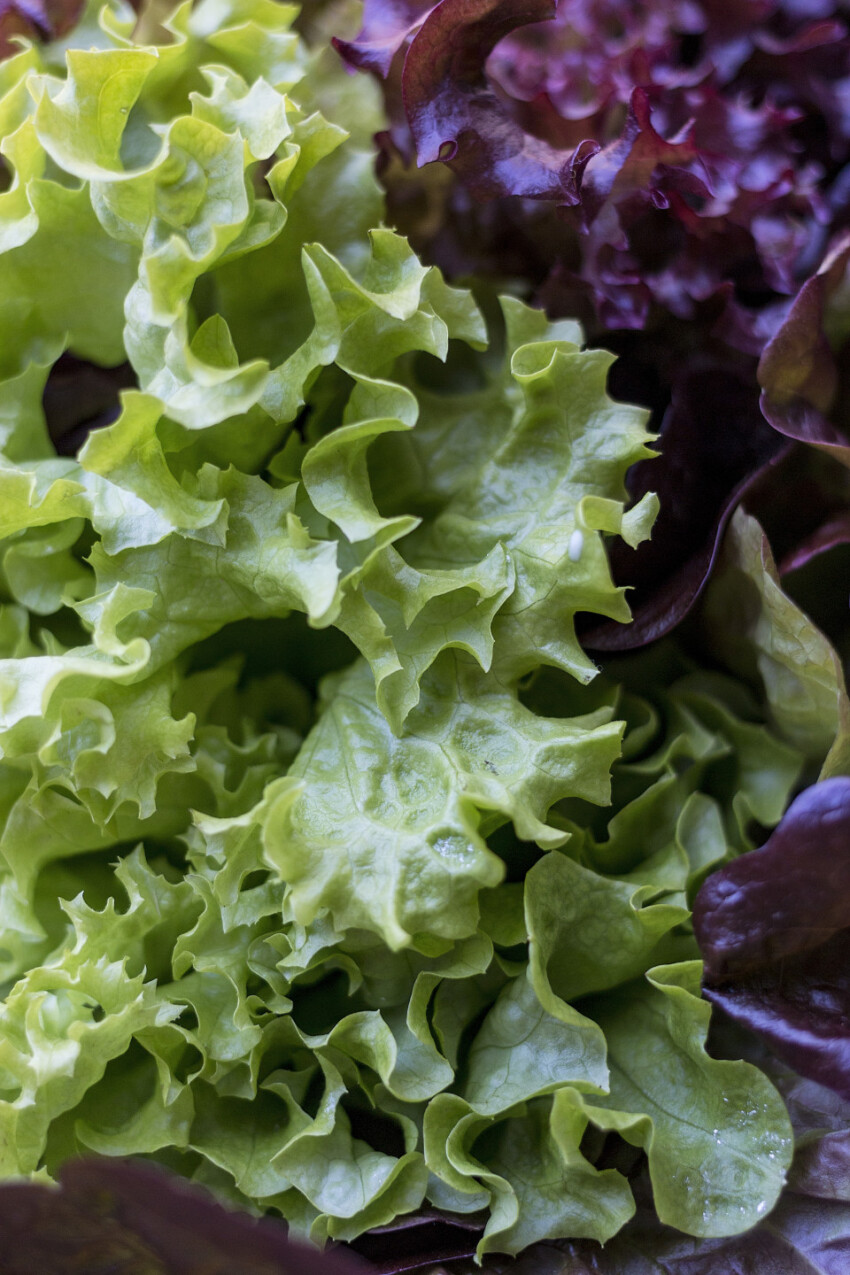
(668, 1096)
(388, 833)
(800, 675)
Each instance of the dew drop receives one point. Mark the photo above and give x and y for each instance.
(451, 846)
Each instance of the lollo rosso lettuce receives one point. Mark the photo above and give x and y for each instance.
(689, 152)
(331, 875)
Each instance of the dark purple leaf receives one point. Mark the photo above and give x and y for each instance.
(785, 898)
(774, 931)
(801, 1005)
(35, 19)
(832, 533)
(80, 397)
(798, 371)
(745, 329)
(822, 1167)
(721, 129)
(643, 163)
(714, 448)
(455, 114)
(387, 24)
(419, 1242)
(118, 1217)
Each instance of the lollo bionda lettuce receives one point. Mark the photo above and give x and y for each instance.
(331, 875)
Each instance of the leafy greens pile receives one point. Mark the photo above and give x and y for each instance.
(674, 175)
(333, 876)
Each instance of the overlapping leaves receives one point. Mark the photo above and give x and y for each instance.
(674, 177)
(307, 884)
(469, 1047)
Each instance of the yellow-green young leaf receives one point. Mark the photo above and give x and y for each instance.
(387, 832)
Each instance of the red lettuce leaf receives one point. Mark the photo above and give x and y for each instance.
(80, 397)
(715, 447)
(721, 133)
(120, 1217)
(35, 19)
(799, 371)
(774, 931)
(419, 1242)
(829, 535)
(387, 25)
(455, 114)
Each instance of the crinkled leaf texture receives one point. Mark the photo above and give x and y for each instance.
(308, 887)
(673, 176)
(639, 162)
